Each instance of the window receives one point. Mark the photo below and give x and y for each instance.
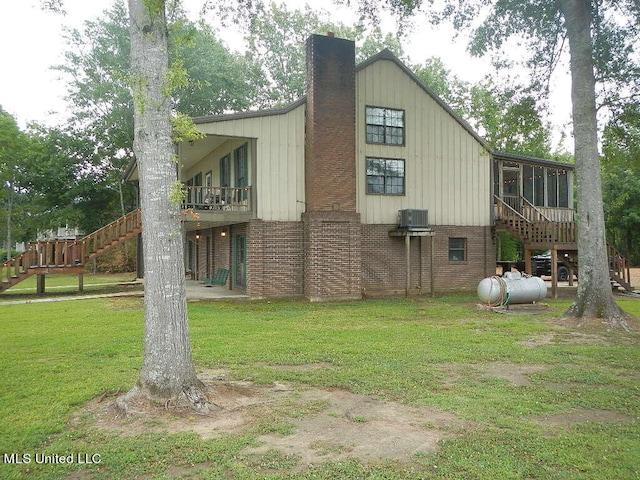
(241, 169)
(457, 249)
(385, 176)
(197, 183)
(240, 166)
(225, 171)
(533, 184)
(385, 125)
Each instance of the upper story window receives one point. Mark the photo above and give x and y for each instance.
(385, 125)
(385, 176)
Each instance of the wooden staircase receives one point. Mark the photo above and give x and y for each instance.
(68, 256)
(536, 231)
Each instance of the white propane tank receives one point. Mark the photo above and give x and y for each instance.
(512, 287)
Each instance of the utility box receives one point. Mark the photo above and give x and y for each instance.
(412, 219)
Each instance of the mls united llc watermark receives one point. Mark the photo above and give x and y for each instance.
(52, 458)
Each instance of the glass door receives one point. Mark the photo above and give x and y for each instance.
(240, 261)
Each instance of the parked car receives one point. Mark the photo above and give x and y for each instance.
(542, 266)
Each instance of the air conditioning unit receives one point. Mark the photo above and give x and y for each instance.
(412, 219)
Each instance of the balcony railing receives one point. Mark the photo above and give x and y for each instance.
(233, 199)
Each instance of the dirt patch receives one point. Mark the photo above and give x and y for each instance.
(568, 337)
(513, 373)
(582, 415)
(356, 426)
(324, 425)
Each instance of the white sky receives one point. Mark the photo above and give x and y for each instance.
(31, 42)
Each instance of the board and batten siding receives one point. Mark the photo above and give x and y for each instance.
(447, 170)
(278, 178)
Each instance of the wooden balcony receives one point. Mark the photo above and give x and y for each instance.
(217, 204)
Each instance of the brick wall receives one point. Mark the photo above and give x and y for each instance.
(383, 260)
(275, 258)
(333, 265)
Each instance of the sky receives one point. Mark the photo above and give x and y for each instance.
(31, 41)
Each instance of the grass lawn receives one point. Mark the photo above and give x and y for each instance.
(443, 354)
(65, 284)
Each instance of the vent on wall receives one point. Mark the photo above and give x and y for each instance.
(411, 219)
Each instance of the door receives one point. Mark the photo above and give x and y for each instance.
(240, 261)
(511, 188)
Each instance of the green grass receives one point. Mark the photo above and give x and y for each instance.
(431, 352)
(64, 284)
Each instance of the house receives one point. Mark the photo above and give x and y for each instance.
(369, 185)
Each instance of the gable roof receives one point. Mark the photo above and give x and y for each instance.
(387, 54)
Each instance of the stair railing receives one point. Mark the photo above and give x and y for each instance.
(619, 266)
(17, 266)
(113, 232)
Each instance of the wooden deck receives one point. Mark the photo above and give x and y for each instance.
(540, 229)
(68, 256)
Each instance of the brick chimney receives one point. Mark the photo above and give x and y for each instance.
(330, 150)
(331, 224)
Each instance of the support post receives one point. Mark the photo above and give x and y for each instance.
(527, 261)
(433, 266)
(40, 284)
(81, 282)
(407, 244)
(554, 272)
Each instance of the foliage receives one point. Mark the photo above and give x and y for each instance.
(17, 217)
(420, 352)
(621, 181)
(68, 181)
(276, 39)
(510, 248)
(509, 121)
(210, 80)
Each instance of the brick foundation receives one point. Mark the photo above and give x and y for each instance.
(275, 259)
(384, 261)
(333, 267)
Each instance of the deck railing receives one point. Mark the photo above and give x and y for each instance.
(530, 224)
(122, 228)
(71, 253)
(619, 266)
(237, 199)
(17, 265)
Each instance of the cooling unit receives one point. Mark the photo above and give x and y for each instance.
(412, 219)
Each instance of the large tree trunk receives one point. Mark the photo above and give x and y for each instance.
(594, 297)
(167, 374)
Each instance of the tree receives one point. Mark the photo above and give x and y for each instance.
(594, 298)
(621, 180)
(67, 181)
(101, 105)
(167, 373)
(11, 150)
(276, 39)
